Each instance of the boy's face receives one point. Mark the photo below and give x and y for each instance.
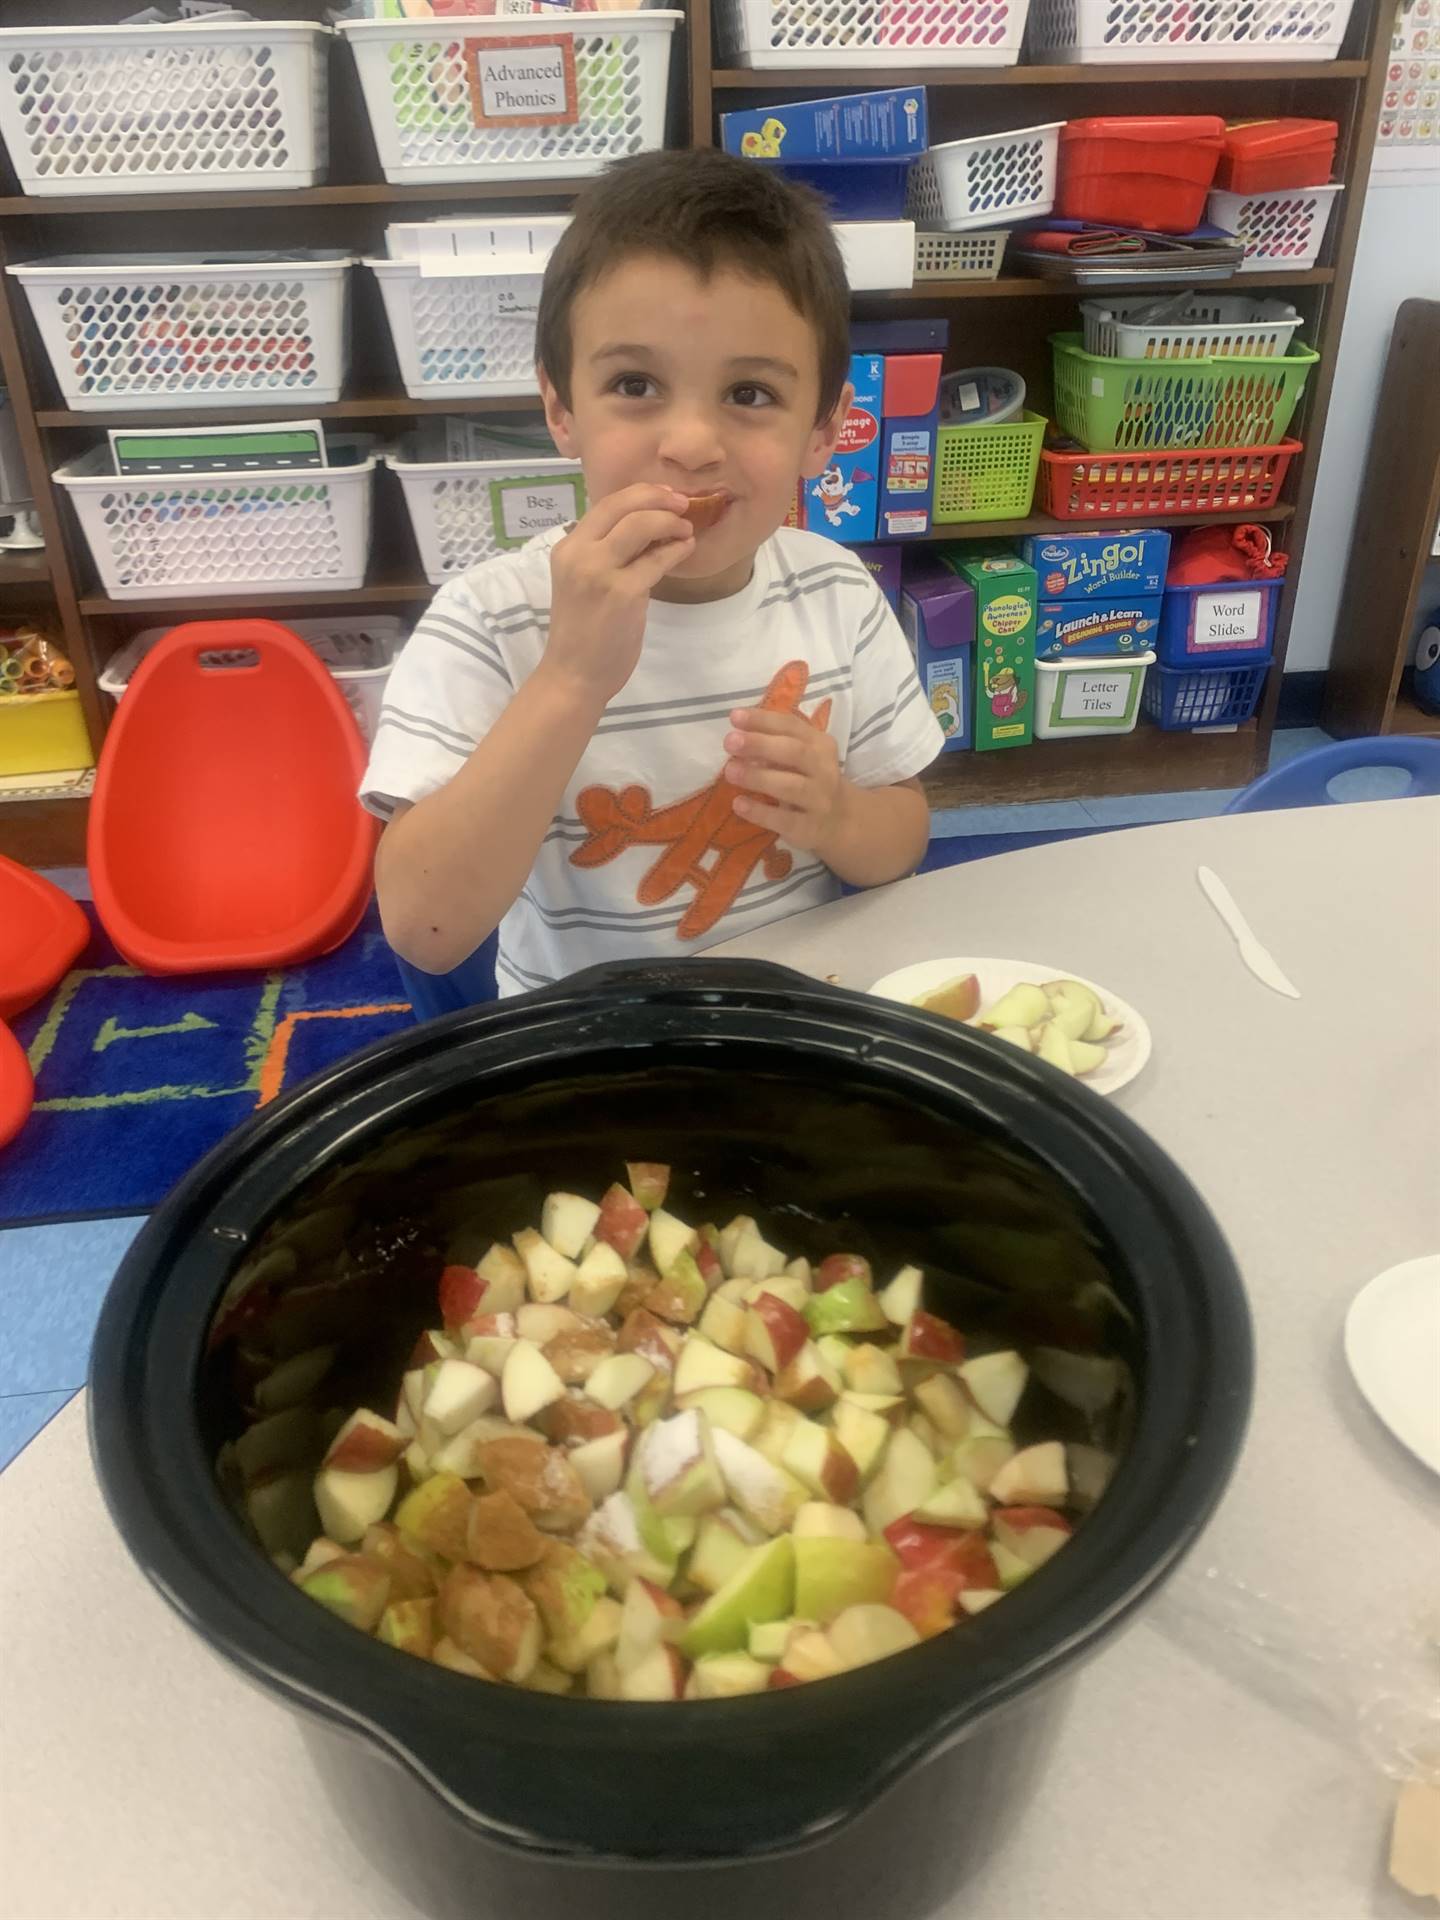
(704, 386)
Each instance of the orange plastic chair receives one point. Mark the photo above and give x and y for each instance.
(17, 1087)
(224, 830)
(42, 935)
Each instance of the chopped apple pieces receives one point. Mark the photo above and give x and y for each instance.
(650, 1461)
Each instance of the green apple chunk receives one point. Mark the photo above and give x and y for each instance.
(833, 1574)
(612, 1539)
(863, 1433)
(980, 1455)
(905, 1480)
(724, 1676)
(735, 1409)
(409, 1625)
(761, 1588)
(995, 1382)
(955, 1503)
(769, 1638)
(820, 1520)
(598, 1635)
(355, 1587)
(849, 1308)
(565, 1586)
(719, 1549)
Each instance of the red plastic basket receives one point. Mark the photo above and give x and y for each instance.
(1124, 486)
(1146, 170)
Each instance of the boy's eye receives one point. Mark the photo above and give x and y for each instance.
(749, 395)
(634, 386)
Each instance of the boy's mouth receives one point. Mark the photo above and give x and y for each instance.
(706, 510)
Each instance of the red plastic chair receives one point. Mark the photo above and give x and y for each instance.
(225, 831)
(17, 1086)
(42, 935)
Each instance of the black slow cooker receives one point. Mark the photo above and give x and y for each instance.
(1040, 1215)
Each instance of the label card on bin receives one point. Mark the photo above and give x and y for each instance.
(519, 509)
(524, 80)
(1089, 696)
(1233, 619)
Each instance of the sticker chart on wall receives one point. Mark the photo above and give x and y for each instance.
(1407, 138)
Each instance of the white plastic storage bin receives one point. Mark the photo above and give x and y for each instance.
(464, 511)
(826, 34)
(358, 650)
(281, 529)
(1074, 698)
(991, 180)
(232, 107)
(959, 256)
(462, 304)
(191, 329)
(513, 98)
(1284, 227)
(1189, 326)
(1108, 32)
(879, 255)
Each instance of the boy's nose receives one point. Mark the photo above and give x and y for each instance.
(690, 442)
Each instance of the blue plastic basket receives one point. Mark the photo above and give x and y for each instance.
(1186, 642)
(1182, 698)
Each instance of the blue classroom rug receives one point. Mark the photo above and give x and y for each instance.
(137, 1078)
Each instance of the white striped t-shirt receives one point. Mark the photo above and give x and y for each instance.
(646, 858)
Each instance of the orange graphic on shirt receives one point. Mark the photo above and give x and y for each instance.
(706, 823)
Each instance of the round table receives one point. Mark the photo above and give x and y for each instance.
(1198, 1775)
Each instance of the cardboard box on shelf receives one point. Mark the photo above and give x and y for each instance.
(1067, 629)
(883, 566)
(841, 503)
(885, 125)
(1127, 564)
(1005, 604)
(937, 611)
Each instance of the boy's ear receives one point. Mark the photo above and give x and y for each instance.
(826, 432)
(558, 417)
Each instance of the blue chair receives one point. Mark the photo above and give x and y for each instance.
(467, 985)
(1305, 782)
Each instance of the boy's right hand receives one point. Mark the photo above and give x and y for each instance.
(601, 578)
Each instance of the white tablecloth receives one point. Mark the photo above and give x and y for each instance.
(1198, 1776)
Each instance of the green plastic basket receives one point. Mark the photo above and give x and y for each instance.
(1117, 406)
(988, 472)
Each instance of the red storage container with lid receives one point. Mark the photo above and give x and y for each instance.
(1260, 156)
(1139, 170)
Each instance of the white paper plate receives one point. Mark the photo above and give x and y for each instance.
(1392, 1341)
(1128, 1051)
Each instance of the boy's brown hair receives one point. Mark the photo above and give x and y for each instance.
(709, 210)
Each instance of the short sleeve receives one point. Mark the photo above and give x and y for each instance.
(447, 689)
(893, 733)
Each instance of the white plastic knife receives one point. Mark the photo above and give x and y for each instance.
(1256, 957)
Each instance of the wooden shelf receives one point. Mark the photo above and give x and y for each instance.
(1406, 717)
(386, 590)
(361, 406)
(395, 588)
(1146, 761)
(360, 193)
(23, 569)
(1196, 73)
(45, 833)
(1027, 287)
(1046, 523)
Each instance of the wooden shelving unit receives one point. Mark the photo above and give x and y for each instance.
(1393, 541)
(1008, 320)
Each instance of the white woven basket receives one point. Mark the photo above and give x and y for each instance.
(513, 98)
(959, 256)
(1284, 227)
(1108, 32)
(840, 34)
(233, 107)
(465, 324)
(1209, 325)
(191, 330)
(466, 511)
(989, 180)
(278, 529)
(358, 649)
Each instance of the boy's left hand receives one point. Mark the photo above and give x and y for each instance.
(789, 773)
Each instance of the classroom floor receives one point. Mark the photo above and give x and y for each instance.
(53, 1278)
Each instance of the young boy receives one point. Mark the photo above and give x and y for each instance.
(670, 723)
